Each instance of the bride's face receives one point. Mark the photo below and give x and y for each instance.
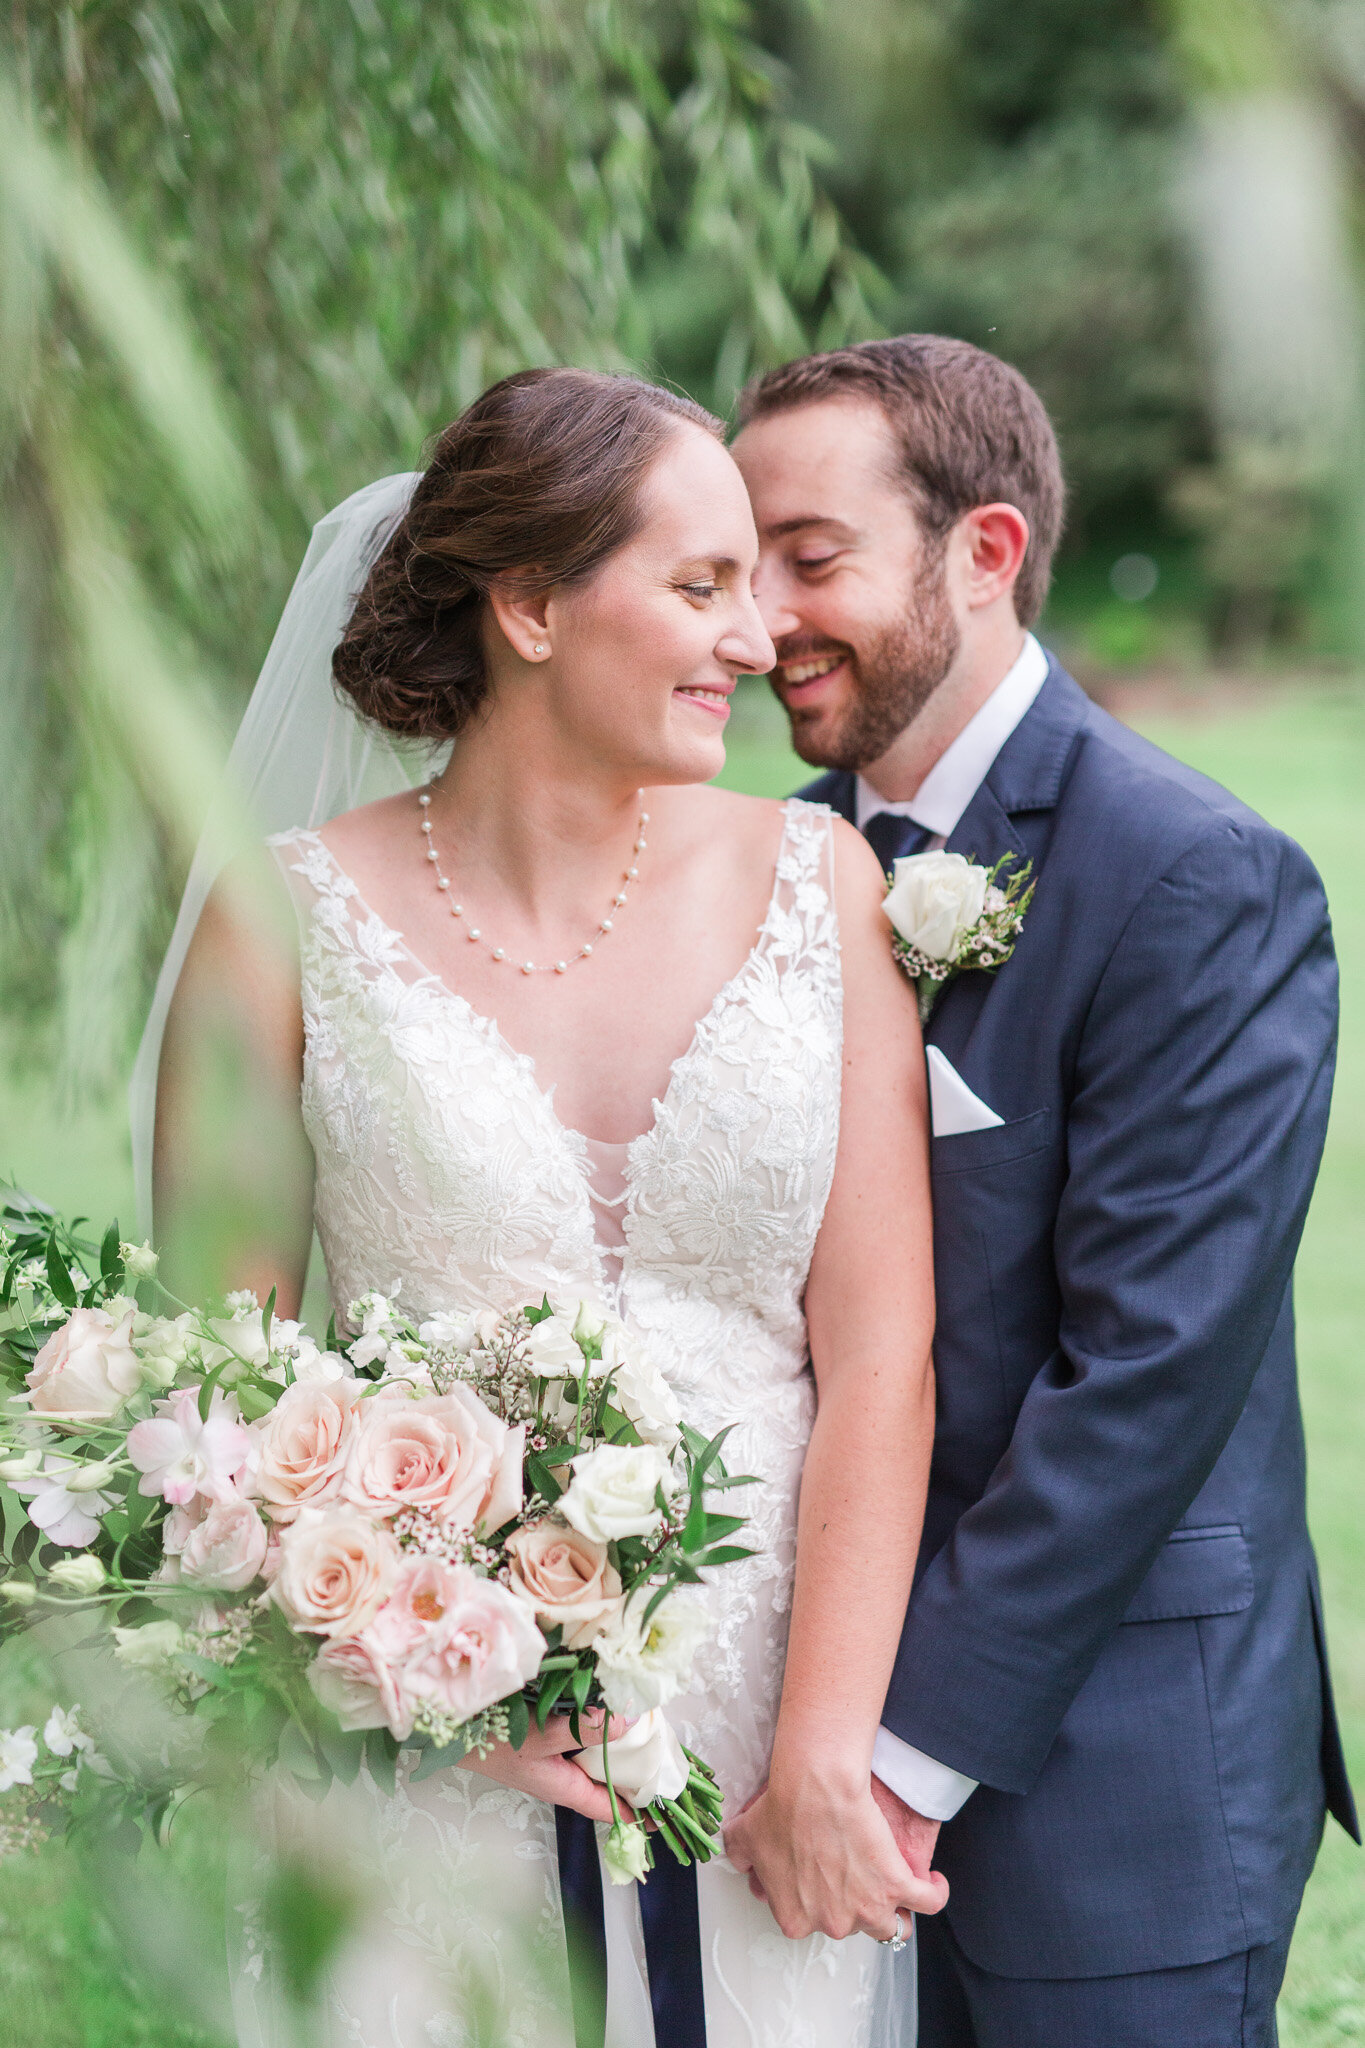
(644, 655)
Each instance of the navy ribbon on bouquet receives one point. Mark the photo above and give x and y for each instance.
(672, 1930)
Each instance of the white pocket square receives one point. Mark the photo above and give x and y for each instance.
(953, 1108)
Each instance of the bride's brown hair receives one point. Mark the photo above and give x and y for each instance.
(535, 485)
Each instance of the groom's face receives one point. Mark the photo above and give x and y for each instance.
(851, 587)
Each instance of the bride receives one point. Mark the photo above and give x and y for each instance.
(567, 1019)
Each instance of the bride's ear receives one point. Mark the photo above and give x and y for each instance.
(523, 621)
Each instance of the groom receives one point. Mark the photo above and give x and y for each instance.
(1111, 1694)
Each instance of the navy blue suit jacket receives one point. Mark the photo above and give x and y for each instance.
(1115, 1624)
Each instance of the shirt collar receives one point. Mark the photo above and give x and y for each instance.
(961, 768)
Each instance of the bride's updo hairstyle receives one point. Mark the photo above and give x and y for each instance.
(535, 485)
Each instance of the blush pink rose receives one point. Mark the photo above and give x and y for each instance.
(423, 1590)
(442, 1452)
(299, 1451)
(336, 1568)
(566, 1579)
(225, 1551)
(485, 1646)
(87, 1368)
(355, 1679)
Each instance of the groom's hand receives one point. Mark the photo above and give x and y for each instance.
(825, 1859)
(915, 1836)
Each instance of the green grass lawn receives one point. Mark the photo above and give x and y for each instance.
(67, 1982)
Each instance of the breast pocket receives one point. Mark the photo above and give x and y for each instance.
(995, 1205)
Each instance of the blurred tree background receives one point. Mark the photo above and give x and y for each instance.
(360, 212)
(252, 256)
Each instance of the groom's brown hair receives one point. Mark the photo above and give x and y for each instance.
(969, 431)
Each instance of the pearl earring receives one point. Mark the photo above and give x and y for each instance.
(539, 647)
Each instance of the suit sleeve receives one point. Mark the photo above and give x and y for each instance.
(1194, 1133)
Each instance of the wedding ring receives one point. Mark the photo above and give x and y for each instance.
(897, 1941)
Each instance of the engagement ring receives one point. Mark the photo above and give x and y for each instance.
(897, 1941)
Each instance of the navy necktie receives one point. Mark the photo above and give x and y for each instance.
(892, 838)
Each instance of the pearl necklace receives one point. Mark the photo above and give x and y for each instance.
(475, 936)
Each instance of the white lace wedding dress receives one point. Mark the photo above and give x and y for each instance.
(445, 1175)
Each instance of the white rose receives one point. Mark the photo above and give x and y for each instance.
(590, 1321)
(642, 1392)
(642, 1665)
(612, 1491)
(552, 1349)
(647, 1762)
(934, 899)
(239, 1342)
(87, 1368)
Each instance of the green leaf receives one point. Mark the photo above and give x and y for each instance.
(253, 1400)
(111, 1265)
(298, 1756)
(580, 1686)
(550, 1691)
(433, 1760)
(343, 1749)
(267, 1316)
(518, 1720)
(58, 1278)
(381, 1756)
(728, 1553)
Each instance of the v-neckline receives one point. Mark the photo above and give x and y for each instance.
(524, 1063)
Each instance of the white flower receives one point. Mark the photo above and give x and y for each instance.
(450, 1330)
(380, 1332)
(625, 1851)
(18, 1755)
(642, 1665)
(22, 1467)
(590, 1321)
(642, 1392)
(552, 1349)
(612, 1492)
(148, 1648)
(647, 1762)
(63, 1732)
(66, 1519)
(179, 1454)
(934, 899)
(241, 1303)
(318, 1368)
(83, 1574)
(235, 1342)
(164, 1344)
(22, 1592)
(139, 1261)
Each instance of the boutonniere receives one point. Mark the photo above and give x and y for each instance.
(949, 915)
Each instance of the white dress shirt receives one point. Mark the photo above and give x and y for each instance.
(932, 1788)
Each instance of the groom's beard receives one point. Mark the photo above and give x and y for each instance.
(893, 679)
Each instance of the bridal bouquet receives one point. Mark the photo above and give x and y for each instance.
(412, 1536)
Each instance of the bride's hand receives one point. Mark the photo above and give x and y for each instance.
(544, 1767)
(817, 1847)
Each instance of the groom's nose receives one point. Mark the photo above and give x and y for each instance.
(776, 595)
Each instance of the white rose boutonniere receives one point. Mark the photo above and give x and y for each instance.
(948, 914)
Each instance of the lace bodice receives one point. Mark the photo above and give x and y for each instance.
(444, 1176)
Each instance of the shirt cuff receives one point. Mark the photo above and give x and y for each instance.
(917, 1780)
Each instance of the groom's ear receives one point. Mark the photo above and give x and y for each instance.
(524, 622)
(990, 543)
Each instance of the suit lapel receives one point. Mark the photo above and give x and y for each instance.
(1028, 775)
